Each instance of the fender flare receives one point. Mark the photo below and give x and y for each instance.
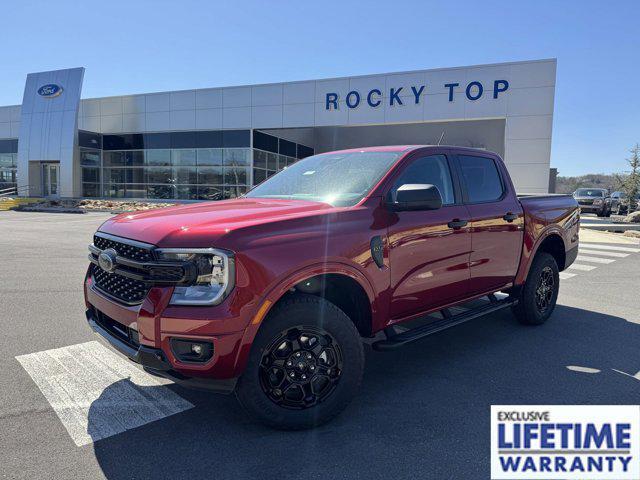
(546, 233)
(276, 292)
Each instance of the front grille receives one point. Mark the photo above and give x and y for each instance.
(134, 268)
(133, 250)
(122, 288)
(126, 334)
(585, 202)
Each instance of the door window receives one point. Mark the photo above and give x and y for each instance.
(481, 178)
(433, 170)
(50, 179)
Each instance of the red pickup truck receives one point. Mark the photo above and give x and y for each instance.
(270, 295)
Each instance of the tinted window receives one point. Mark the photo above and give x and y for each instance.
(183, 139)
(235, 138)
(481, 178)
(134, 141)
(9, 146)
(287, 148)
(304, 152)
(89, 139)
(211, 139)
(157, 140)
(262, 141)
(433, 170)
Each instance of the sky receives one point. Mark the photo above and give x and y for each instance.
(141, 46)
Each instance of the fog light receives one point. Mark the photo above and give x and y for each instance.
(194, 351)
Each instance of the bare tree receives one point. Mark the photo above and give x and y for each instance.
(630, 183)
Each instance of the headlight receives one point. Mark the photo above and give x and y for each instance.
(215, 275)
(597, 201)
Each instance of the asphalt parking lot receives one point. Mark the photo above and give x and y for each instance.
(423, 411)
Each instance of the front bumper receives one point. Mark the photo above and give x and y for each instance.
(153, 360)
(143, 333)
(591, 208)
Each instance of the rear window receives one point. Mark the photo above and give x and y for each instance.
(481, 178)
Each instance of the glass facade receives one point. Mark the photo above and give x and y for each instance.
(187, 174)
(8, 163)
(271, 154)
(201, 165)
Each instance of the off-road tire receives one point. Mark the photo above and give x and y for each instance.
(528, 310)
(311, 312)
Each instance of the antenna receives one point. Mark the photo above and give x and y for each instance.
(441, 137)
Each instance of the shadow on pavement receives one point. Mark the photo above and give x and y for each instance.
(422, 411)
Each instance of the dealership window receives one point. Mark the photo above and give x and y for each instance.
(8, 163)
(91, 165)
(198, 165)
(184, 173)
(272, 154)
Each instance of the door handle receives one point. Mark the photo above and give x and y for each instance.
(457, 224)
(510, 217)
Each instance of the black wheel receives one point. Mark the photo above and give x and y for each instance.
(305, 365)
(539, 294)
(608, 213)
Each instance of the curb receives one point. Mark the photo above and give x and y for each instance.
(612, 227)
(48, 210)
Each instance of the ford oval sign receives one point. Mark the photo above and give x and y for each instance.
(51, 90)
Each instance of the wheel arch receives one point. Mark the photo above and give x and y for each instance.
(553, 244)
(550, 241)
(345, 286)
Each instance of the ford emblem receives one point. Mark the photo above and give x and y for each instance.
(50, 90)
(107, 260)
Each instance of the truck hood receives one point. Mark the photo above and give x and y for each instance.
(201, 224)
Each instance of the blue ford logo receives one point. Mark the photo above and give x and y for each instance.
(50, 90)
(107, 260)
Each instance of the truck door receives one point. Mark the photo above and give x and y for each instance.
(497, 221)
(428, 250)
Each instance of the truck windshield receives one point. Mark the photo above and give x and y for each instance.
(588, 192)
(339, 179)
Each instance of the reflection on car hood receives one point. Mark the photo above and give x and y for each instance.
(201, 224)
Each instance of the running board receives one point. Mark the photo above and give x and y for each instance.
(398, 340)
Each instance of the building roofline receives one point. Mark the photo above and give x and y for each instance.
(404, 72)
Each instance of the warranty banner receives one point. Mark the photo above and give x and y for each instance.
(565, 442)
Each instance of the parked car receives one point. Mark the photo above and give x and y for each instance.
(620, 205)
(270, 295)
(594, 200)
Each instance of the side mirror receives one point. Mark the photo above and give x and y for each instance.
(416, 196)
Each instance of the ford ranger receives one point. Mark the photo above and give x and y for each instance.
(270, 295)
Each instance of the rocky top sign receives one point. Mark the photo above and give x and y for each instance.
(374, 98)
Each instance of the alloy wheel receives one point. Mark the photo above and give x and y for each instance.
(545, 289)
(301, 367)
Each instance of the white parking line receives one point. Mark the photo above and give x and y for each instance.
(566, 275)
(96, 393)
(579, 266)
(586, 258)
(603, 253)
(613, 248)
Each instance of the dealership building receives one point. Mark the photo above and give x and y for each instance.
(216, 143)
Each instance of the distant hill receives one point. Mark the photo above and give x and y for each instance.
(593, 180)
